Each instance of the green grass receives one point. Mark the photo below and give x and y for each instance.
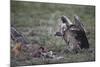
(42, 19)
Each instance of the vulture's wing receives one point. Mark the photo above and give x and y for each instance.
(17, 36)
(82, 34)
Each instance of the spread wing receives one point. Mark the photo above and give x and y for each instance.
(17, 36)
(82, 34)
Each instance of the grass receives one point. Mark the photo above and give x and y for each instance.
(41, 19)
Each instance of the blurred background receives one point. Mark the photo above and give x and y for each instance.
(39, 21)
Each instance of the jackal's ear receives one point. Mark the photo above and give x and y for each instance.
(78, 22)
(66, 20)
